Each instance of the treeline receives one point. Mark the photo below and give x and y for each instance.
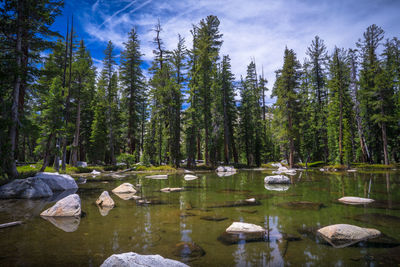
(339, 107)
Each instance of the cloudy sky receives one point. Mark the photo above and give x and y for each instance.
(251, 28)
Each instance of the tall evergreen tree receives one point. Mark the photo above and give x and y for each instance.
(286, 91)
(131, 76)
(339, 109)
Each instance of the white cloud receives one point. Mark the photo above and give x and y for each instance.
(251, 29)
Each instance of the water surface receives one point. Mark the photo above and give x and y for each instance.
(176, 217)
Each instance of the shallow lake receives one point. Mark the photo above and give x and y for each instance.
(202, 212)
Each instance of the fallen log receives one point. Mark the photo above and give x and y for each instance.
(10, 224)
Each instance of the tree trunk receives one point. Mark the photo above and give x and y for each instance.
(75, 143)
(46, 153)
(12, 167)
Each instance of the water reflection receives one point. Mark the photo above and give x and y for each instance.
(67, 224)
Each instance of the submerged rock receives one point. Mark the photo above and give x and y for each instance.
(160, 176)
(355, 200)
(172, 189)
(81, 180)
(276, 187)
(69, 206)
(242, 232)
(105, 200)
(277, 179)
(343, 235)
(145, 202)
(378, 219)
(57, 182)
(188, 250)
(125, 188)
(67, 224)
(214, 218)
(133, 259)
(301, 205)
(189, 177)
(32, 187)
(239, 203)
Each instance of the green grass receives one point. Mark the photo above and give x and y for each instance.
(312, 164)
(164, 168)
(373, 166)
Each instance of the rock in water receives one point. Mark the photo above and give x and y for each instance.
(242, 232)
(94, 173)
(171, 189)
(81, 164)
(158, 177)
(57, 182)
(125, 188)
(277, 179)
(355, 200)
(188, 250)
(105, 200)
(32, 187)
(132, 259)
(225, 169)
(189, 177)
(343, 235)
(69, 206)
(285, 170)
(240, 227)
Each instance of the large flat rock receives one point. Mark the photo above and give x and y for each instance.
(277, 179)
(355, 200)
(343, 235)
(132, 259)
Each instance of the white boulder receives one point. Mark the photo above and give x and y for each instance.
(355, 200)
(69, 206)
(131, 259)
(277, 179)
(240, 227)
(189, 177)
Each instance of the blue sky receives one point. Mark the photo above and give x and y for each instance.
(250, 28)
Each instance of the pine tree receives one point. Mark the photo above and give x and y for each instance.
(339, 109)
(131, 76)
(317, 81)
(369, 65)
(286, 91)
(83, 80)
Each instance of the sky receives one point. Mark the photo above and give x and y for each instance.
(251, 29)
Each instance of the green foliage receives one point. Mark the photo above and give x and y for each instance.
(126, 158)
